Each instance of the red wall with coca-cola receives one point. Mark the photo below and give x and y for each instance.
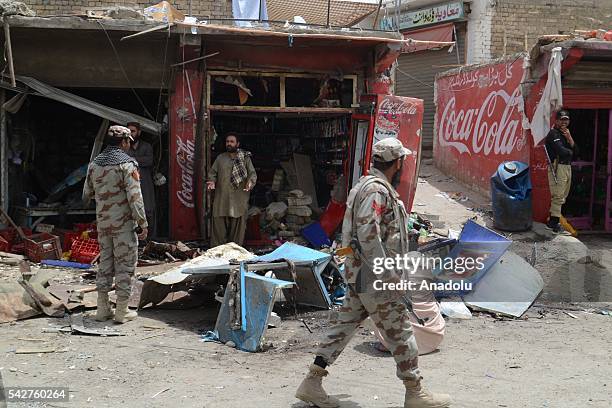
(478, 121)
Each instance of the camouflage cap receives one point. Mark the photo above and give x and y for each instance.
(120, 132)
(389, 149)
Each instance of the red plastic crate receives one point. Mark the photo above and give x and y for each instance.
(11, 236)
(43, 246)
(5, 246)
(18, 249)
(84, 250)
(80, 227)
(69, 238)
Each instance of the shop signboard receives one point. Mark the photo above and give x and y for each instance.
(442, 13)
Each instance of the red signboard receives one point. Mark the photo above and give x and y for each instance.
(478, 122)
(402, 118)
(184, 107)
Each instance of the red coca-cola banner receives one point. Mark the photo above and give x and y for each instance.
(184, 105)
(478, 122)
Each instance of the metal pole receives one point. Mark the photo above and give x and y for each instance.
(328, 12)
(399, 15)
(377, 13)
(456, 45)
(9, 50)
(398, 4)
(260, 10)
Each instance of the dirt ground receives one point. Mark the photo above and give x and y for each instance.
(558, 355)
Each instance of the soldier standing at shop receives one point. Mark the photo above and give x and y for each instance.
(560, 148)
(113, 181)
(375, 226)
(232, 176)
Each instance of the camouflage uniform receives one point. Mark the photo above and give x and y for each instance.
(376, 217)
(375, 225)
(119, 211)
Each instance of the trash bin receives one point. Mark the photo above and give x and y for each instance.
(511, 197)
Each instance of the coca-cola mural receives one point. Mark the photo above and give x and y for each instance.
(478, 121)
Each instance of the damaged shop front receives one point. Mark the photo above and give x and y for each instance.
(307, 103)
(73, 78)
(303, 105)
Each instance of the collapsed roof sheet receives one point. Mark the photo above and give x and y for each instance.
(112, 114)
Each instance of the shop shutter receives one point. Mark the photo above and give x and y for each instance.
(421, 68)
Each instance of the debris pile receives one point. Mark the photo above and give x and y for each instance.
(285, 220)
(11, 8)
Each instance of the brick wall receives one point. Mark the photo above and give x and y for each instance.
(515, 19)
(200, 8)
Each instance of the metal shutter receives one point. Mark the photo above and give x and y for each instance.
(422, 68)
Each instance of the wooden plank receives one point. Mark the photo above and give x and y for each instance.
(278, 109)
(355, 36)
(195, 59)
(13, 256)
(35, 350)
(10, 221)
(283, 102)
(259, 73)
(149, 30)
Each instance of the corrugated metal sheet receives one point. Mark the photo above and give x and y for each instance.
(342, 13)
(417, 76)
(92, 107)
(589, 74)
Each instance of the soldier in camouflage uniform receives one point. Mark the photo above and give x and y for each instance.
(375, 225)
(114, 182)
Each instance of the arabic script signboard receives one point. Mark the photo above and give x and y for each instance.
(478, 122)
(433, 15)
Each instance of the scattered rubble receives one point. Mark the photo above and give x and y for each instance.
(11, 8)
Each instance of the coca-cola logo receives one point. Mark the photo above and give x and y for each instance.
(483, 129)
(391, 106)
(184, 157)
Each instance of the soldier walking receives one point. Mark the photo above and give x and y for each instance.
(114, 182)
(375, 225)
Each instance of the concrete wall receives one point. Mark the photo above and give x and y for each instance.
(65, 58)
(200, 8)
(478, 39)
(515, 19)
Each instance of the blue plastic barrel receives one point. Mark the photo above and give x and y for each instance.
(511, 197)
